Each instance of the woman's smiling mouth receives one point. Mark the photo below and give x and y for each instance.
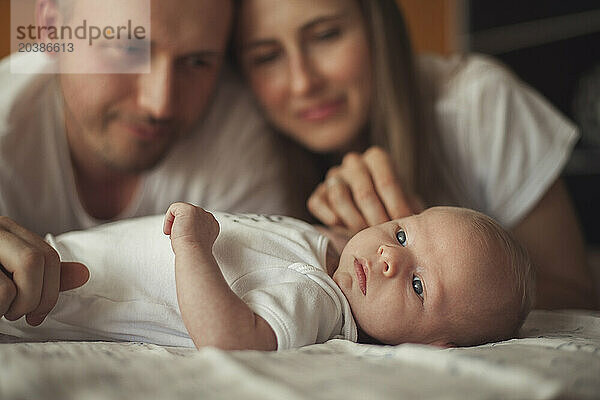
(322, 111)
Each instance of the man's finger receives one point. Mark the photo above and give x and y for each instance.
(17, 230)
(50, 287)
(358, 177)
(387, 184)
(26, 264)
(73, 275)
(8, 292)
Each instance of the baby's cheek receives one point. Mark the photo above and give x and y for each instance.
(343, 280)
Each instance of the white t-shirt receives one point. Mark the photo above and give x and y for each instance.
(275, 264)
(229, 163)
(505, 143)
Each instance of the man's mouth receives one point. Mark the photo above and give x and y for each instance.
(361, 276)
(148, 132)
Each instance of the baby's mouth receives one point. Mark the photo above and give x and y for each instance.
(361, 276)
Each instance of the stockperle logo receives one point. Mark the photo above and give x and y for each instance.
(80, 36)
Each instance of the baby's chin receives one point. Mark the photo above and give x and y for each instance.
(364, 337)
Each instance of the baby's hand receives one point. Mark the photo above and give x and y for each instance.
(189, 225)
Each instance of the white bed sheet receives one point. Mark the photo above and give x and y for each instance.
(558, 356)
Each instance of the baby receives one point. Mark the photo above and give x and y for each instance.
(447, 276)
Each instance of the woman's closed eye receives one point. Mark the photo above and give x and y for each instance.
(327, 34)
(417, 285)
(264, 57)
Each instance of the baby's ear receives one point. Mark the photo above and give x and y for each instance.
(444, 343)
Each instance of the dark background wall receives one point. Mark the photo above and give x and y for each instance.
(554, 45)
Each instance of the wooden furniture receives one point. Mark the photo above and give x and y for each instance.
(434, 25)
(4, 27)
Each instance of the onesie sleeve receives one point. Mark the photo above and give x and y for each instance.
(512, 144)
(300, 313)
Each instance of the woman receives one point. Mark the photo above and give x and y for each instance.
(338, 77)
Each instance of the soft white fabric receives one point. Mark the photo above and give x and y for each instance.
(504, 143)
(557, 357)
(228, 163)
(274, 264)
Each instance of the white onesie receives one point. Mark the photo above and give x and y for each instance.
(274, 264)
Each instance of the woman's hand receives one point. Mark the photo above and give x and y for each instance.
(361, 192)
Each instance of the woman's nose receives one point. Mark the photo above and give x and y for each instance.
(390, 261)
(304, 78)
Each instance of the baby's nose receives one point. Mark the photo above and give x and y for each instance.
(389, 260)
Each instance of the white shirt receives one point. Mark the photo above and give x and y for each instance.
(276, 265)
(505, 143)
(229, 163)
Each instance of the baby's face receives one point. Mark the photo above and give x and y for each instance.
(407, 279)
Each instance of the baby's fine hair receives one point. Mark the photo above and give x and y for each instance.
(515, 306)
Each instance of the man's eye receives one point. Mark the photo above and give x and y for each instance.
(401, 237)
(133, 51)
(197, 62)
(417, 286)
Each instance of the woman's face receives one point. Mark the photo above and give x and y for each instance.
(309, 64)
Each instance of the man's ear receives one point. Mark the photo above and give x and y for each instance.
(47, 14)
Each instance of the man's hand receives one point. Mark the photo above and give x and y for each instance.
(362, 191)
(32, 274)
(190, 225)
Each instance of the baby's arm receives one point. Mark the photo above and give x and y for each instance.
(212, 313)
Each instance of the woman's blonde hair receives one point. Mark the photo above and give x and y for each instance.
(399, 122)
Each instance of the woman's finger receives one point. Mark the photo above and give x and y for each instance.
(386, 183)
(318, 206)
(356, 174)
(340, 200)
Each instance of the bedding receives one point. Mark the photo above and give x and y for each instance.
(556, 356)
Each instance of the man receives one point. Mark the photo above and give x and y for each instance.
(80, 149)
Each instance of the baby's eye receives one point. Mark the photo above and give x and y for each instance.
(401, 237)
(417, 286)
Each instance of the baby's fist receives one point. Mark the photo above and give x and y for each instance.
(190, 225)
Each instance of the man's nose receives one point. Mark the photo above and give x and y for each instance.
(155, 91)
(391, 261)
(304, 77)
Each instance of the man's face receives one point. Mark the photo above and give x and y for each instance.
(408, 279)
(128, 122)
